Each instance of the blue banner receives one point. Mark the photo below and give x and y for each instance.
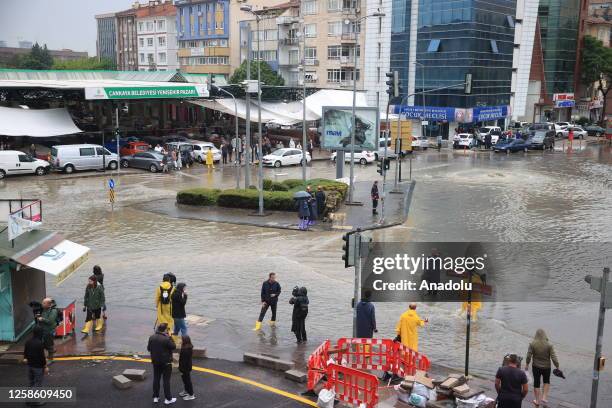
(481, 114)
(431, 112)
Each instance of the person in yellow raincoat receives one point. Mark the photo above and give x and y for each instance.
(408, 327)
(163, 303)
(476, 302)
(210, 163)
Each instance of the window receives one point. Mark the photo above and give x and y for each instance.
(310, 30)
(150, 42)
(102, 151)
(340, 75)
(379, 50)
(309, 6)
(142, 60)
(510, 21)
(24, 159)
(494, 48)
(434, 46)
(270, 35)
(349, 4)
(150, 58)
(149, 26)
(377, 74)
(193, 44)
(87, 151)
(334, 52)
(162, 57)
(334, 5)
(141, 26)
(268, 55)
(161, 25)
(294, 57)
(161, 41)
(310, 53)
(141, 42)
(334, 28)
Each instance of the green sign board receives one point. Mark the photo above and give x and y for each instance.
(147, 92)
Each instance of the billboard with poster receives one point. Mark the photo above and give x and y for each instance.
(337, 125)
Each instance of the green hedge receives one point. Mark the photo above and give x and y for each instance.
(198, 196)
(292, 183)
(273, 200)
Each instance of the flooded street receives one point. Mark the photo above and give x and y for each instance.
(535, 197)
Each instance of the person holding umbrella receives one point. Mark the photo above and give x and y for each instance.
(303, 206)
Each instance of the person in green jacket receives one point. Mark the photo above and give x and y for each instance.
(92, 304)
(48, 322)
(542, 352)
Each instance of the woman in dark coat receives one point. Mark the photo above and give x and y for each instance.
(320, 198)
(300, 301)
(185, 366)
(303, 213)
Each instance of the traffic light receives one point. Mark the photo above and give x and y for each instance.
(211, 82)
(349, 249)
(393, 84)
(467, 86)
(380, 167)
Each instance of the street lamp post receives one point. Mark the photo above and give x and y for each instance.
(304, 161)
(352, 160)
(236, 139)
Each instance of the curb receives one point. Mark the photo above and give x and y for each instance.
(407, 202)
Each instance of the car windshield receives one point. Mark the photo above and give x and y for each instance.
(156, 155)
(464, 136)
(484, 130)
(278, 152)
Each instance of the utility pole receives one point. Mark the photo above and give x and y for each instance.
(247, 142)
(601, 286)
(304, 146)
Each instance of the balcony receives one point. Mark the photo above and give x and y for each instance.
(311, 62)
(350, 11)
(348, 38)
(286, 20)
(348, 61)
(346, 84)
(289, 63)
(289, 41)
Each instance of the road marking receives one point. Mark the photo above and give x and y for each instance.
(204, 370)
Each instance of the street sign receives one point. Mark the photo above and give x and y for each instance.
(111, 184)
(111, 196)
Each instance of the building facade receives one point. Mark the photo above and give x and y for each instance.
(203, 28)
(157, 37)
(107, 37)
(126, 45)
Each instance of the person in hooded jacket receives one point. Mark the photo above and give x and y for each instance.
(300, 301)
(312, 206)
(93, 302)
(97, 270)
(179, 299)
(303, 213)
(163, 302)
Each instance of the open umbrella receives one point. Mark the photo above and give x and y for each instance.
(300, 195)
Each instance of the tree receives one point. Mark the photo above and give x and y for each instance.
(269, 77)
(38, 58)
(596, 68)
(91, 63)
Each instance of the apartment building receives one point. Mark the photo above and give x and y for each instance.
(157, 36)
(107, 36)
(126, 46)
(204, 37)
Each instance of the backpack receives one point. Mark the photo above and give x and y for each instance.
(165, 295)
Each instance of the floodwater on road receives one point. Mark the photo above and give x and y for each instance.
(475, 197)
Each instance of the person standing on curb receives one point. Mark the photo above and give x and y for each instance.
(511, 384)
(179, 299)
(48, 322)
(92, 304)
(163, 301)
(542, 352)
(270, 290)
(300, 302)
(210, 163)
(185, 367)
(375, 197)
(224, 153)
(34, 354)
(366, 317)
(97, 271)
(320, 197)
(160, 346)
(408, 328)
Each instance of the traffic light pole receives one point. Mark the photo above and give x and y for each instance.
(384, 163)
(599, 284)
(357, 293)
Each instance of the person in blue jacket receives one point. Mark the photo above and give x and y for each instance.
(270, 290)
(366, 317)
(303, 213)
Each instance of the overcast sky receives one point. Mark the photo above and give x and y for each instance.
(58, 23)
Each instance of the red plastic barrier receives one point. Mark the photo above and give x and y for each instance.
(353, 386)
(317, 364)
(367, 354)
(408, 361)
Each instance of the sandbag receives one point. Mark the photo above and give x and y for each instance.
(418, 400)
(326, 398)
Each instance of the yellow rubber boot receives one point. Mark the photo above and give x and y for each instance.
(272, 323)
(257, 326)
(99, 324)
(87, 328)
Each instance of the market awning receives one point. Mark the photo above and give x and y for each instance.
(36, 123)
(61, 260)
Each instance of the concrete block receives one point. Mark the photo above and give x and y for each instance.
(135, 374)
(12, 359)
(199, 353)
(296, 375)
(268, 362)
(122, 382)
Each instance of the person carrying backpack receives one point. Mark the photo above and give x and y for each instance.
(163, 302)
(300, 301)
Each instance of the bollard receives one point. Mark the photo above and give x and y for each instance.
(563, 148)
(464, 149)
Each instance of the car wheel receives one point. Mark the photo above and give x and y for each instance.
(525, 150)
(559, 135)
(2, 174)
(69, 169)
(112, 165)
(597, 134)
(153, 168)
(277, 164)
(125, 164)
(363, 161)
(40, 171)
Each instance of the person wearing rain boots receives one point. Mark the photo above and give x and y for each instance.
(299, 300)
(163, 302)
(303, 213)
(270, 290)
(92, 304)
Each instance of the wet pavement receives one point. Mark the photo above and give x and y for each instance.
(539, 196)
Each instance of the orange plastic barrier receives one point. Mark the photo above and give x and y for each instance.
(408, 361)
(353, 386)
(317, 364)
(367, 354)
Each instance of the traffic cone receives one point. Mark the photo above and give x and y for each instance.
(257, 326)
(87, 328)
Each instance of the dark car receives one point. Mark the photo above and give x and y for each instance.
(150, 160)
(594, 130)
(542, 139)
(512, 145)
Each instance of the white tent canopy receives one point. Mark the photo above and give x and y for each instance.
(36, 123)
(286, 113)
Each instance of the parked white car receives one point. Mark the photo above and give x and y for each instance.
(378, 155)
(363, 157)
(16, 162)
(559, 126)
(420, 143)
(463, 140)
(200, 149)
(494, 131)
(579, 132)
(285, 157)
(69, 158)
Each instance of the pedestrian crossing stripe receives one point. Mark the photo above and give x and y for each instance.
(111, 195)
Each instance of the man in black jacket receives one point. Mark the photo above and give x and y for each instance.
(270, 290)
(160, 346)
(34, 354)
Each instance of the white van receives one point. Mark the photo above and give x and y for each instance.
(69, 158)
(16, 162)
